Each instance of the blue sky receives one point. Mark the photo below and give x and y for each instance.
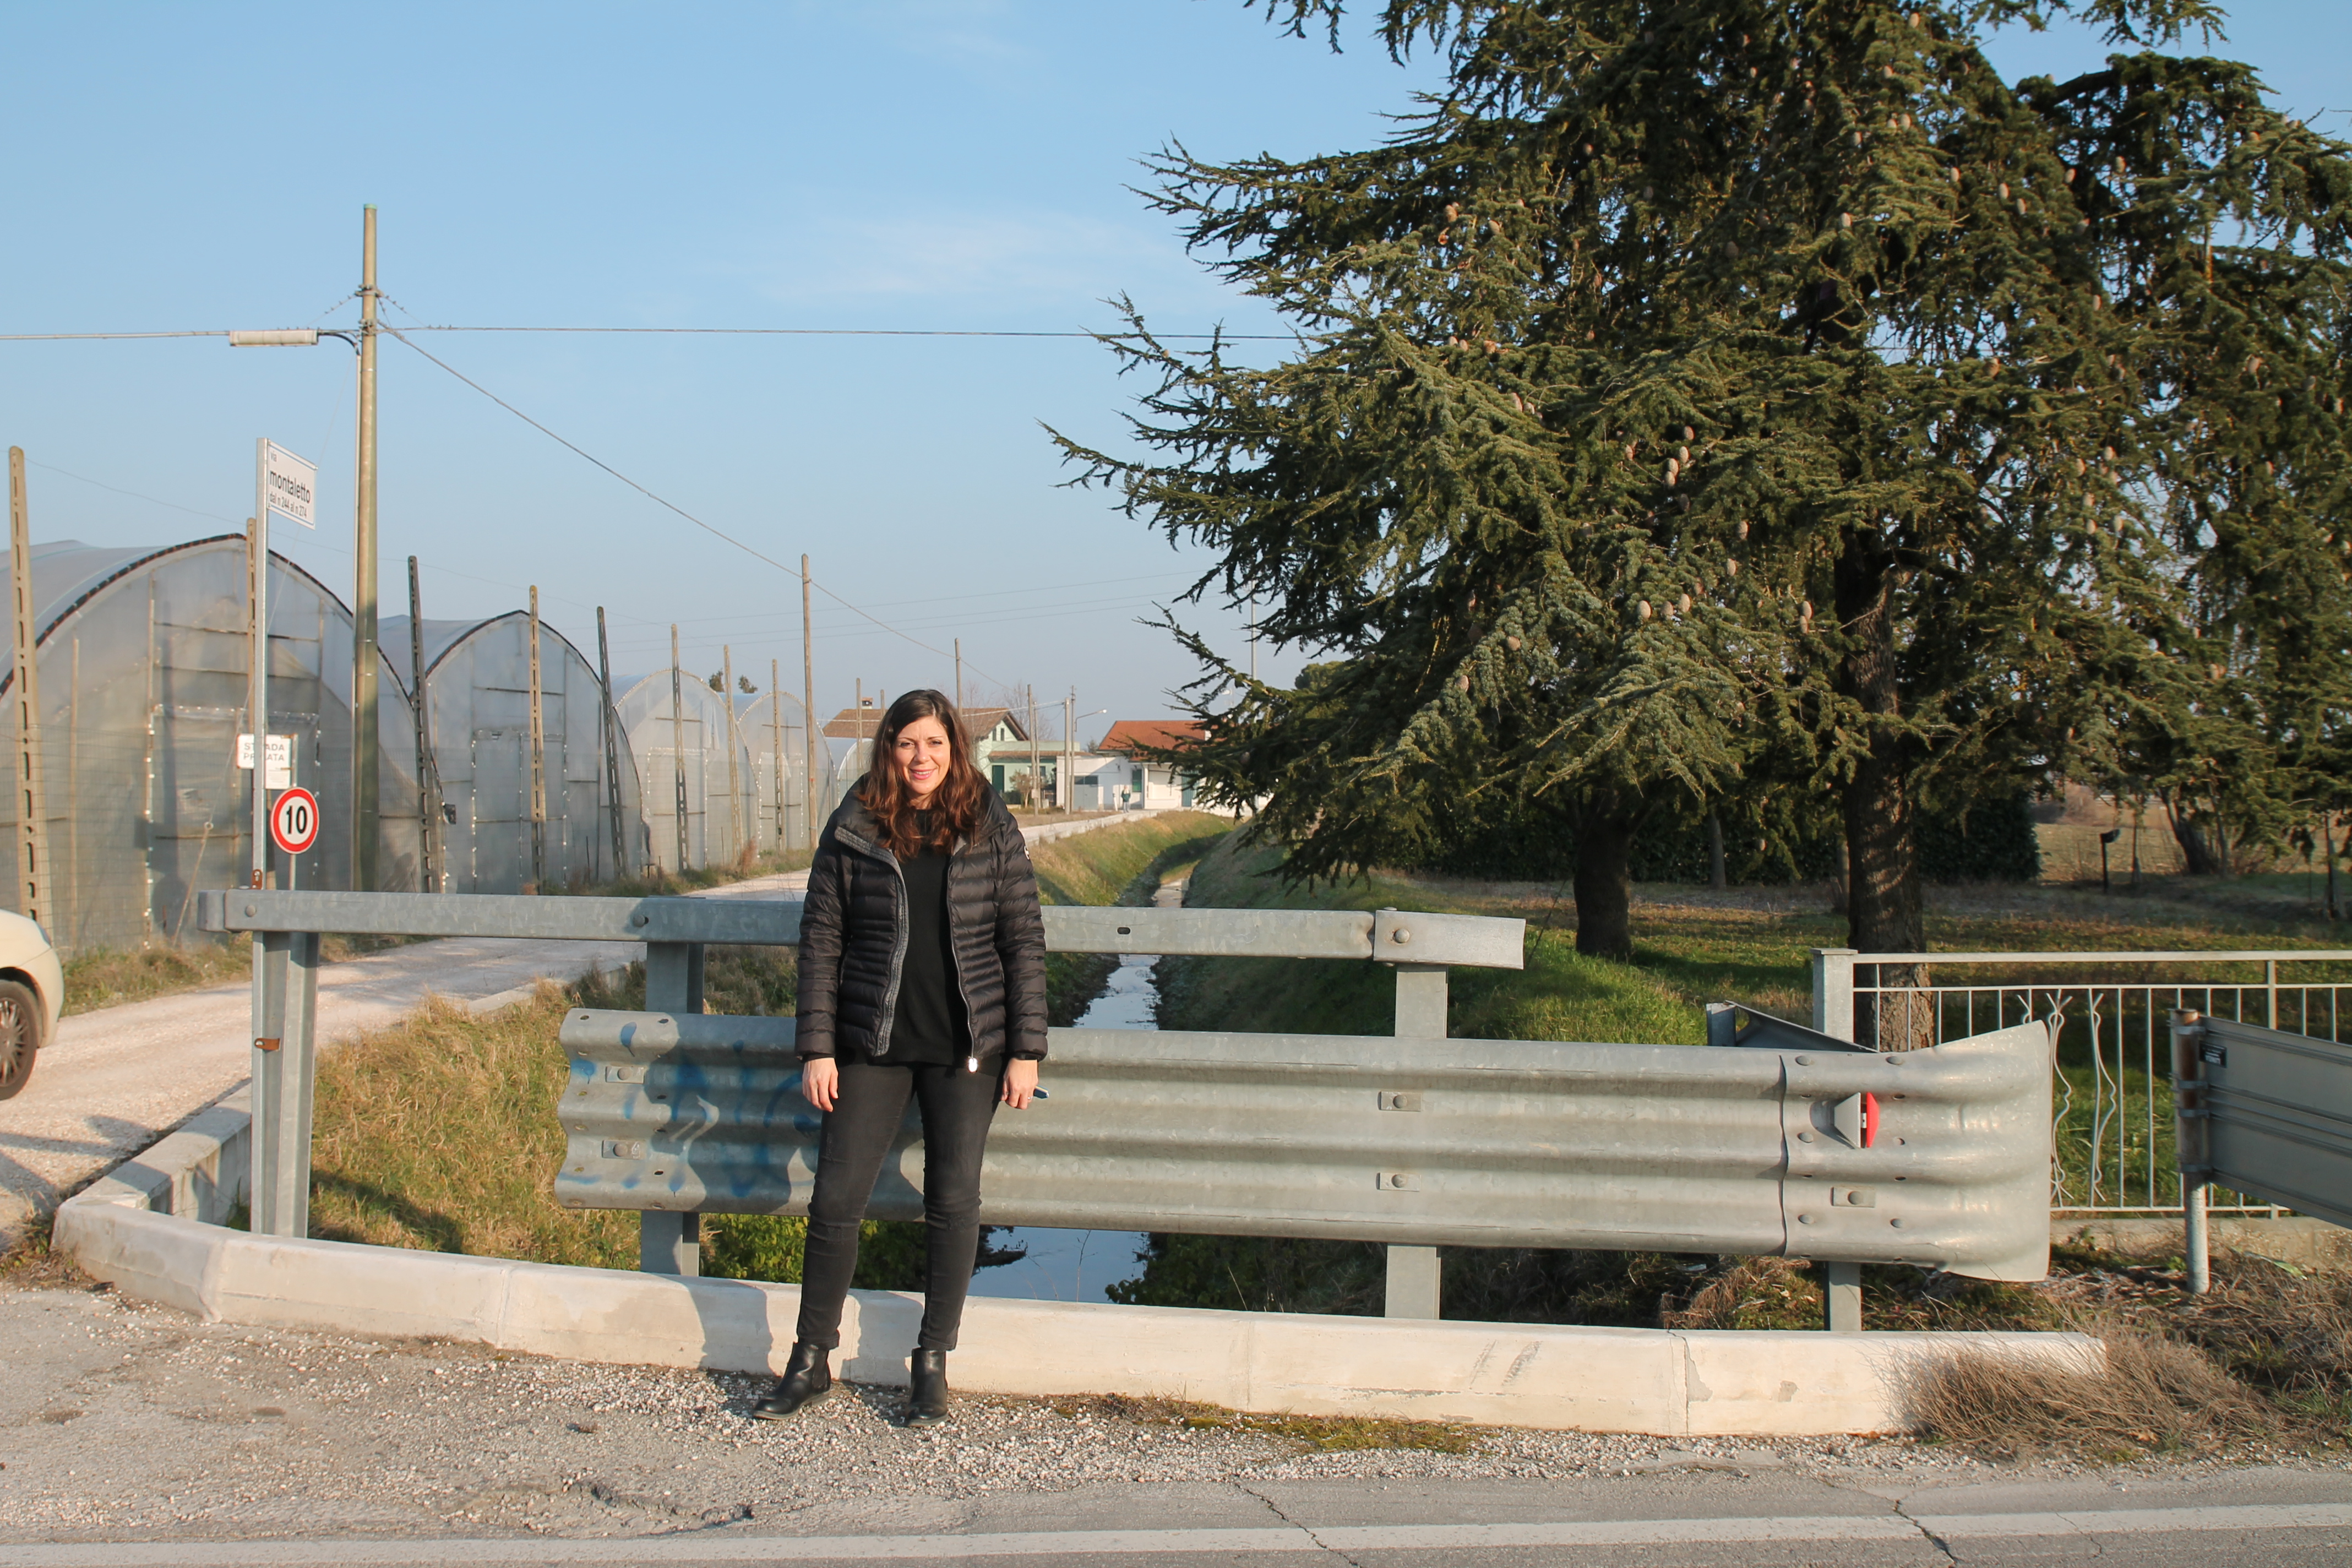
(895, 163)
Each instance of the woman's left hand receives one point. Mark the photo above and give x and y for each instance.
(1020, 1082)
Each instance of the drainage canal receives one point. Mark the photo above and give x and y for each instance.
(1082, 1265)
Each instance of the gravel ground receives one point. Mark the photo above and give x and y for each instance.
(122, 1419)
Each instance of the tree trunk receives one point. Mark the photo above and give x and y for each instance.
(2204, 843)
(1884, 912)
(1604, 877)
(1718, 876)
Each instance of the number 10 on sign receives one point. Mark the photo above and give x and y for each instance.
(294, 821)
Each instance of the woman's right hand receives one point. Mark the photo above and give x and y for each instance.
(821, 1081)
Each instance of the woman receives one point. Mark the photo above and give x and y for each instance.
(923, 973)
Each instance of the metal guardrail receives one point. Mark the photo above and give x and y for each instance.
(1792, 1146)
(287, 926)
(2264, 1112)
(2113, 1149)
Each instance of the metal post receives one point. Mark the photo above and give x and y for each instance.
(1834, 992)
(1412, 1285)
(1842, 1298)
(776, 741)
(256, 703)
(808, 713)
(285, 1073)
(538, 760)
(677, 743)
(364, 739)
(735, 818)
(34, 891)
(72, 889)
(607, 719)
(428, 808)
(669, 1242)
(2193, 1146)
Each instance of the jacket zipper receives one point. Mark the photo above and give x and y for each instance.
(955, 953)
(901, 936)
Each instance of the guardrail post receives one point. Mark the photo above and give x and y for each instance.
(2190, 1147)
(285, 1072)
(1842, 1298)
(1413, 1289)
(1834, 992)
(669, 1242)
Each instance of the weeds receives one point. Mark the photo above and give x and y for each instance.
(1303, 1434)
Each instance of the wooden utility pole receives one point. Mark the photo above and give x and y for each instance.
(428, 798)
(364, 779)
(34, 895)
(959, 656)
(1066, 791)
(609, 720)
(538, 760)
(736, 820)
(1034, 782)
(678, 742)
(808, 713)
(776, 741)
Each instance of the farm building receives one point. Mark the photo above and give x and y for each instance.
(143, 663)
(477, 701)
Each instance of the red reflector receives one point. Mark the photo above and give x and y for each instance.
(1869, 1120)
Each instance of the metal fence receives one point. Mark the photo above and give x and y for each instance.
(2113, 1149)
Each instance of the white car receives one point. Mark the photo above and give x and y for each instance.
(32, 994)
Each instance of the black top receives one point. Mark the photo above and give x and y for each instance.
(928, 1026)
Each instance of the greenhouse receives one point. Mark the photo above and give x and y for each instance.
(143, 661)
(505, 826)
(685, 755)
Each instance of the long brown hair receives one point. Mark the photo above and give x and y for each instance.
(957, 804)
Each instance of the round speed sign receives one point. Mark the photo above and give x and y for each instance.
(294, 821)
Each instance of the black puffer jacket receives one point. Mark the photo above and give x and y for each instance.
(854, 938)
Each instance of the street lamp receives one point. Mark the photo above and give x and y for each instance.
(364, 607)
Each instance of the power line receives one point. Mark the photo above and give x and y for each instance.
(662, 502)
(713, 331)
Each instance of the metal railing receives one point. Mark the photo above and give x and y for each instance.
(2114, 1147)
(287, 927)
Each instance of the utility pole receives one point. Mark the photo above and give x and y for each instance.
(1068, 794)
(959, 656)
(858, 758)
(734, 745)
(609, 722)
(776, 741)
(36, 897)
(1253, 635)
(428, 798)
(364, 738)
(808, 712)
(678, 742)
(538, 760)
(1034, 780)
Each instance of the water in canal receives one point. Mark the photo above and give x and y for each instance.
(1081, 1265)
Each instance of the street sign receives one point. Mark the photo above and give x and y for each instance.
(281, 760)
(289, 484)
(294, 821)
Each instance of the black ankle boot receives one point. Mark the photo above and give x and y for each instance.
(927, 1388)
(806, 1379)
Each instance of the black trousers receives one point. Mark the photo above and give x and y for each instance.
(957, 1108)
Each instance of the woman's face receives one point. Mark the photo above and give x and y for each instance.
(921, 752)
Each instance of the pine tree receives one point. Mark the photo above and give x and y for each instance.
(1704, 389)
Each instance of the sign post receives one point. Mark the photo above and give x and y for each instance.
(285, 965)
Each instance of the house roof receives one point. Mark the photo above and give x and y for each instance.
(861, 724)
(1130, 736)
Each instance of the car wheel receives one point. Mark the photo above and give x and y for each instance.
(20, 1035)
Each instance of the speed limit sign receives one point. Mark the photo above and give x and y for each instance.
(294, 821)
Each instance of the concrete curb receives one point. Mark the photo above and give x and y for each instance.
(142, 1229)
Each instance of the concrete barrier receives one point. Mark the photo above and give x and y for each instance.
(143, 1230)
